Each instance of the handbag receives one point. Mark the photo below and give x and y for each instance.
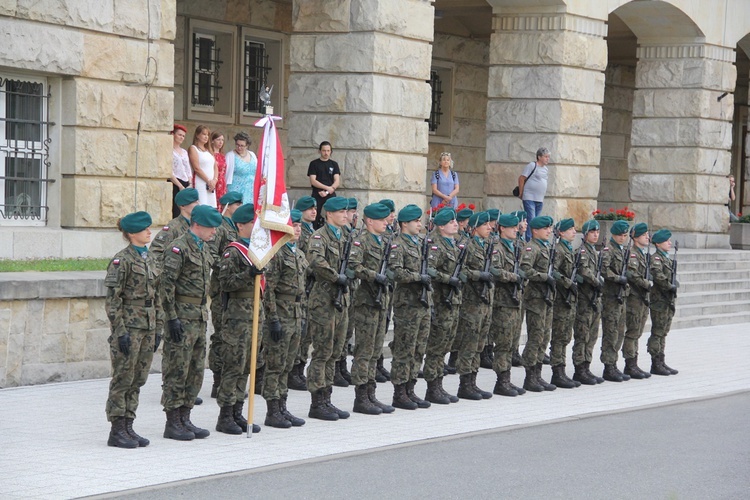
(516, 190)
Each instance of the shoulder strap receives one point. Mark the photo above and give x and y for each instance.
(532, 172)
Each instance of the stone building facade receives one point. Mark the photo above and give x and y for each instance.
(642, 103)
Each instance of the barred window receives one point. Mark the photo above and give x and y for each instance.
(256, 75)
(206, 64)
(24, 150)
(436, 84)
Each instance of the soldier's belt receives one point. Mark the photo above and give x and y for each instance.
(288, 297)
(196, 301)
(141, 303)
(241, 295)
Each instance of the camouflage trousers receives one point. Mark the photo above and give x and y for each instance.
(214, 358)
(661, 323)
(442, 329)
(328, 333)
(473, 324)
(538, 331)
(279, 356)
(129, 373)
(350, 327)
(635, 321)
(613, 329)
(305, 340)
(369, 342)
(411, 326)
(182, 366)
(585, 331)
(506, 332)
(563, 317)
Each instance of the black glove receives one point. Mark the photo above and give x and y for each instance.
(486, 277)
(381, 279)
(455, 282)
(274, 328)
(124, 342)
(673, 288)
(342, 280)
(621, 280)
(550, 281)
(175, 329)
(425, 279)
(574, 288)
(254, 271)
(157, 341)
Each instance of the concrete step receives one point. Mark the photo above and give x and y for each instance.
(715, 308)
(685, 275)
(710, 319)
(703, 296)
(715, 265)
(687, 287)
(704, 255)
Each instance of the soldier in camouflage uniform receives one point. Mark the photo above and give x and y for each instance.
(297, 380)
(614, 295)
(538, 300)
(383, 375)
(663, 297)
(185, 283)
(506, 306)
(326, 315)
(341, 375)
(236, 282)
(462, 237)
(370, 306)
(225, 234)
(446, 296)
(638, 300)
(186, 200)
(285, 287)
(412, 302)
(486, 343)
(521, 244)
(588, 308)
(135, 313)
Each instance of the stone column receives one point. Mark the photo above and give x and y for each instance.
(682, 139)
(546, 88)
(359, 71)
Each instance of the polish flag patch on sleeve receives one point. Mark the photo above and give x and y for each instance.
(657, 258)
(394, 246)
(357, 243)
(433, 248)
(316, 236)
(226, 255)
(165, 228)
(116, 262)
(528, 249)
(175, 250)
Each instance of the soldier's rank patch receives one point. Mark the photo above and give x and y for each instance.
(357, 243)
(116, 262)
(175, 250)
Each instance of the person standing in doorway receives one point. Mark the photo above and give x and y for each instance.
(325, 178)
(532, 186)
(445, 183)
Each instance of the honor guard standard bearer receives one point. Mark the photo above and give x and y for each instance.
(369, 254)
(614, 295)
(412, 303)
(134, 311)
(285, 287)
(185, 283)
(664, 293)
(588, 310)
(327, 307)
(462, 237)
(539, 297)
(639, 278)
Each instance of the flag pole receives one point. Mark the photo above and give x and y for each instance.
(253, 356)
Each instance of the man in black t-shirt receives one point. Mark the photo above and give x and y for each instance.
(325, 177)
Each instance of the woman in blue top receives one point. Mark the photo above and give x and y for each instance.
(445, 183)
(241, 167)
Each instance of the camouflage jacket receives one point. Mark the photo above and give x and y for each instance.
(504, 276)
(535, 263)
(442, 261)
(404, 267)
(661, 270)
(285, 280)
(636, 273)
(225, 234)
(304, 237)
(185, 279)
(587, 271)
(324, 254)
(564, 262)
(132, 292)
(237, 280)
(611, 268)
(173, 230)
(364, 263)
(473, 265)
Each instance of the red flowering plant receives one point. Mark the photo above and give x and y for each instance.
(743, 219)
(612, 214)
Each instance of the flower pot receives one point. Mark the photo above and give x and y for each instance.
(739, 236)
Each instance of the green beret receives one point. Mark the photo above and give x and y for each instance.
(296, 215)
(186, 197)
(508, 220)
(231, 197)
(409, 213)
(388, 203)
(565, 224)
(336, 204)
(444, 216)
(377, 211)
(640, 229)
(478, 219)
(661, 236)
(541, 222)
(206, 216)
(352, 204)
(305, 203)
(464, 214)
(244, 214)
(135, 222)
(494, 213)
(619, 227)
(591, 225)
(521, 214)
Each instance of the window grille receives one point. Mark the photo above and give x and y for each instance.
(436, 84)
(256, 70)
(206, 64)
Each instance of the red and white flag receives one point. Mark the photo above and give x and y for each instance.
(273, 225)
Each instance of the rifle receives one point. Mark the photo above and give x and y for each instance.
(455, 274)
(518, 285)
(647, 274)
(674, 276)
(488, 261)
(337, 303)
(598, 290)
(423, 299)
(625, 260)
(550, 291)
(573, 274)
(382, 269)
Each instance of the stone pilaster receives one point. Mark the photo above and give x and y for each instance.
(682, 139)
(546, 88)
(358, 72)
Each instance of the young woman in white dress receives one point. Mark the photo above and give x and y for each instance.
(203, 163)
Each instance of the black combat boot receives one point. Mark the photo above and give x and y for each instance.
(296, 421)
(560, 379)
(632, 370)
(421, 403)
(401, 399)
(118, 435)
(484, 394)
(319, 408)
(174, 428)
(486, 357)
(451, 397)
(362, 403)
(216, 384)
(274, 418)
(547, 386)
(531, 383)
(546, 359)
(520, 390)
(450, 368)
(226, 423)
(338, 379)
(198, 401)
(503, 387)
(672, 371)
(624, 377)
(657, 366)
(582, 376)
(345, 372)
(466, 390)
(644, 373)
(515, 359)
(343, 414)
(381, 374)
(294, 380)
(185, 417)
(371, 387)
(434, 394)
(142, 441)
(611, 373)
(240, 419)
(598, 379)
